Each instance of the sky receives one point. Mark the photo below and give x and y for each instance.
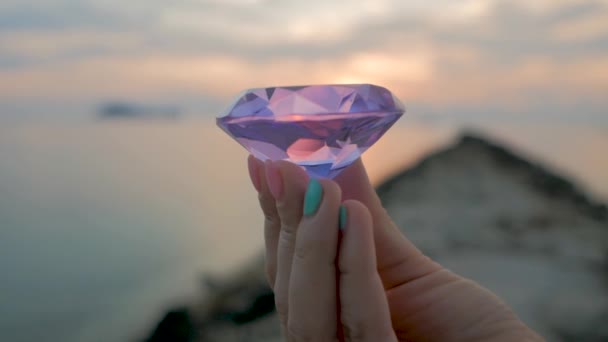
(500, 59)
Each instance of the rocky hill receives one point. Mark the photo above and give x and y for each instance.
(480, 210)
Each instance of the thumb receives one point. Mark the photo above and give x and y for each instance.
(398, 260)
(356, 185)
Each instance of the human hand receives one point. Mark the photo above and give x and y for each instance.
(327, 288)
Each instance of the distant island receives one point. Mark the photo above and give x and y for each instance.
(128, 110)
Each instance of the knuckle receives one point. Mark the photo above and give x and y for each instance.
(303, 251)
(289, 214)
(265, 197)
(355, 328)
(281, 308)
(271, 220)
(318, 250)
(271, 230)
(355, 332)
(268, 205)
(270, 274)
(296, 333)
(287, 237)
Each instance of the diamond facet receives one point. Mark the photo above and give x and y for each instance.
(323, 128)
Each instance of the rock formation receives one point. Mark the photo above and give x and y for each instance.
(486, 213)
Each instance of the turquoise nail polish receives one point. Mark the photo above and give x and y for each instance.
(312, 199)
(343, 216)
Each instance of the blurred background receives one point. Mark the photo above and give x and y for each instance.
(117, 191)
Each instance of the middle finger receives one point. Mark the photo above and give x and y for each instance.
(287, 183)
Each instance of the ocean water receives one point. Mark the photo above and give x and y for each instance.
(104, 225)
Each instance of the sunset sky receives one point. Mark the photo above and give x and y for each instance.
(507, 59)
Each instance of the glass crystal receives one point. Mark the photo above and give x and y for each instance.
(323, 128)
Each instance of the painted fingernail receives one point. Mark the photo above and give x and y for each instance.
(313, 197)
(274, 179)
(342, 217)
(254, 172)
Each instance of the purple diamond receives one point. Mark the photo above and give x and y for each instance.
(323, 128)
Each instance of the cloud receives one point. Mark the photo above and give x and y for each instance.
(32, 48)
(56, 15)
(218, 75)
(495, 53)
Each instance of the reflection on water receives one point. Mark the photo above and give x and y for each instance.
(103, 225)
(101, 222)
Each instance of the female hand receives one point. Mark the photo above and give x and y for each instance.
(366, 281)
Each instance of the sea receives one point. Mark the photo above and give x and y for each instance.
(106, 224)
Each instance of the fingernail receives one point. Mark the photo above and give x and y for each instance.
(312, 199)
(274, 179)
(254, 172)
(342, 217)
